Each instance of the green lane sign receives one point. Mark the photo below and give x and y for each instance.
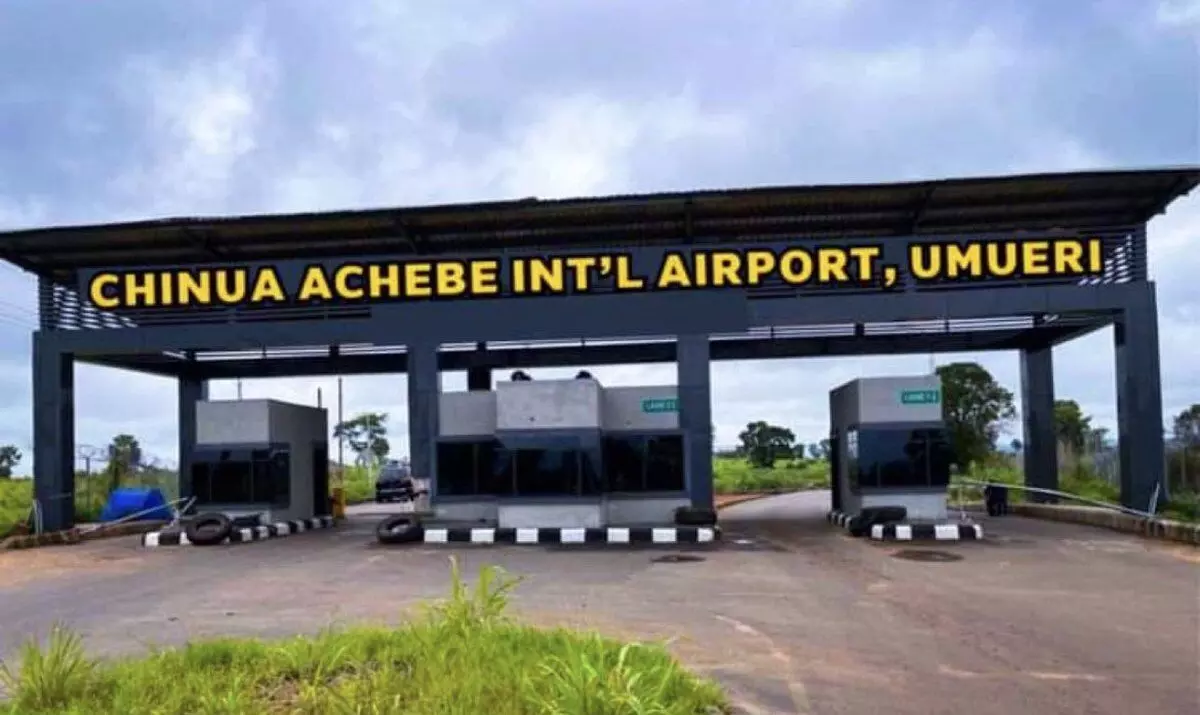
(660, 404)
(920, 397)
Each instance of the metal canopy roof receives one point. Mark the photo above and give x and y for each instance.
(1071, 201)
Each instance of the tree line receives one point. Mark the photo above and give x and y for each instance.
(977, 411)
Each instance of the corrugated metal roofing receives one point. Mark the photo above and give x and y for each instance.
(1074, 201)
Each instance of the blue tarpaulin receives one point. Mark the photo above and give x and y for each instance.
(126, 501)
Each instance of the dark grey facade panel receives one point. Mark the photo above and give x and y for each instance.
(599, 316)
(510, 358)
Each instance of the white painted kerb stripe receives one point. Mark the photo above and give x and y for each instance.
(664, 536)
(617, 535)
(945, 531)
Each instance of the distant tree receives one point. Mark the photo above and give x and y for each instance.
(1015, 445)
(976, 407)
(124, 458)
(1185, 428)
(820, 450)
(10, 457)
(1071, 426)
(764, 443)
(366, 436)
(800, 451)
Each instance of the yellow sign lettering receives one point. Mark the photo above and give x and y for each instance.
(847, 262)
(314, 285)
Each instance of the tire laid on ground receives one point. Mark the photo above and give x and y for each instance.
(399, 529)
(208, 529)
(872, 515)
(691, 516)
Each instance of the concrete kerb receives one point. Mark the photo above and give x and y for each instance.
(567, 536)
(946, 531)
(177, 537)
(926, 532)
(1163, 529)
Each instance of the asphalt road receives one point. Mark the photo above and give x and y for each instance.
(791, 615)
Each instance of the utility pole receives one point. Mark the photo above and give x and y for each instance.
(239, 389)
(341, 441)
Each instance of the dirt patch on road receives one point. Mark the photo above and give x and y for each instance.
(23, 565)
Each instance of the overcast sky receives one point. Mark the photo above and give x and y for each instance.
(125, 109)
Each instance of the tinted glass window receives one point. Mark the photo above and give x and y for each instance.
(456, 474)
(547, 472)
(664, 464)
(242, 477)
(900, 458)
(230, 482)
(625, 464)
(494, 466)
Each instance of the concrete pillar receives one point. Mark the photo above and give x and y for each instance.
(1139, 400)
(191, 391)
(53, 433)
(424, 390)
(1037, 412)
(695, 416)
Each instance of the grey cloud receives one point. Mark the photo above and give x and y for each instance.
(319, 105)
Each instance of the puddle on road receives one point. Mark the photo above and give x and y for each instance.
(926, 556)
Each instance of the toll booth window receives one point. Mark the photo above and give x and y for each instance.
(474, 468)
(664, 464)
(941, 456)
(625, 464)
(901, 458)
(494, 466)
(456, 469)
(644, 463)
(547, 472)
(243, 477)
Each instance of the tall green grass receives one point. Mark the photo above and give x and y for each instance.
(733, 475)
(461, 655)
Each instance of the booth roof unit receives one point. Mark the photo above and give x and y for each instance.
(888, 434)
(261, 457)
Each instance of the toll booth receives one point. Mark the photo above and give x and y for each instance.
(561, 453)
(260, 457)
(889, 446)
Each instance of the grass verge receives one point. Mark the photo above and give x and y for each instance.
(463, 655)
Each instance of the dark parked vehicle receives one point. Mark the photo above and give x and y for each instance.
(395, 484)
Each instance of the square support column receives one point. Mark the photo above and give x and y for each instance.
(1037, 415)
(1139, 401)
(695, 416)
(53, 433)
(191, 391)
(424, 391)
